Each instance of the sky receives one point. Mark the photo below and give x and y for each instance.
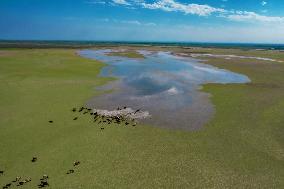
(229, 21)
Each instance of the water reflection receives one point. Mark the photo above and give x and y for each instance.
(163, 84)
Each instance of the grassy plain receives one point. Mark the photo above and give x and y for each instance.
(242, 147)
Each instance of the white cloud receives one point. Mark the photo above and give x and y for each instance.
(206, 10)
(121, 2)
(96, 2)
(150, 24)
(244, 16)
(198, 9)
(173, 6)
(135, 22)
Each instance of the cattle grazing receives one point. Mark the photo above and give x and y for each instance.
(75, 163)
(70, 171)
(8, 185)
(43, 183)
(17, 179)
(21, 183)
(81, 109)
(34, 159)
(44, 177)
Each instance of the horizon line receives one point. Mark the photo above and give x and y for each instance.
(134, 41)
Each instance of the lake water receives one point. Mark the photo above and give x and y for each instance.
(165, 85)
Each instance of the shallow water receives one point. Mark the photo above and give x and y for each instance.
(163, 84)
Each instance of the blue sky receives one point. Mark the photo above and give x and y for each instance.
(254, 21)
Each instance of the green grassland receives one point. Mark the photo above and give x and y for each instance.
(242, 147)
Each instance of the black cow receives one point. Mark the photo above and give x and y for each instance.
(75, 163)
(34, 159)
(70, 171)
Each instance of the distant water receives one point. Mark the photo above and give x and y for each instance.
(163, 84)
(70, 44)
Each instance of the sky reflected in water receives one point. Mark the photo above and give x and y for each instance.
(163, 84)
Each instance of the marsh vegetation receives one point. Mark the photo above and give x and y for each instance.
(241, 147)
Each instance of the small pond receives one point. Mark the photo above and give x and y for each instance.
(165, 85)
